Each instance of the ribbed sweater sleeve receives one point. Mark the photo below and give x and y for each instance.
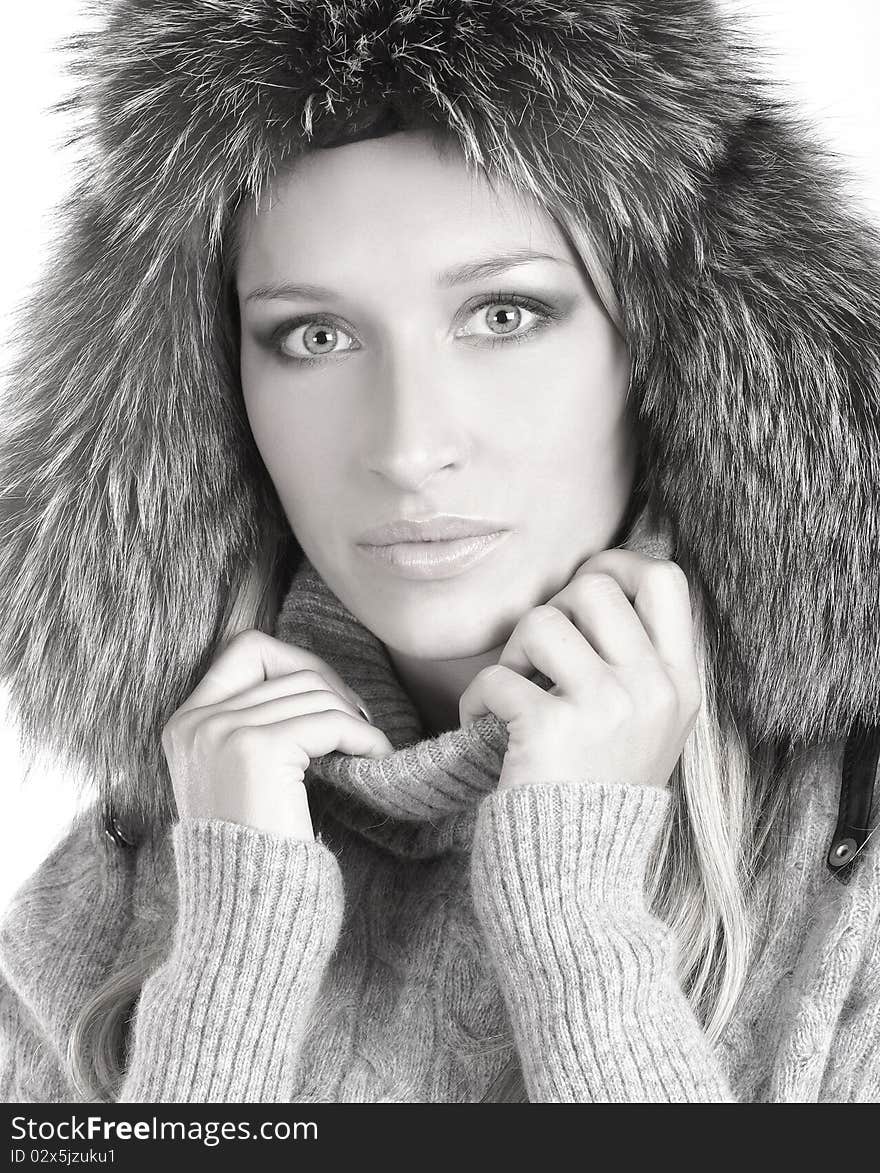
(222, 1018)
(587, 972)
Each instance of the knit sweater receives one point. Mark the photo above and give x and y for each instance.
(435, 927)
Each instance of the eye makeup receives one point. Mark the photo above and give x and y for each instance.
(547, 313)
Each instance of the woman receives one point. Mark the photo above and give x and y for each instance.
(602, 830)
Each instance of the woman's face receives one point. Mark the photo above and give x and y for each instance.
(415, 343)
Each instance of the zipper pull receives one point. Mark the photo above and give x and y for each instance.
(857, 781)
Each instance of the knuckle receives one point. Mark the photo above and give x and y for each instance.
(596, 584)
(331, 698)
(663, 699)
(664, 692)
(311, 679)
(331, 702)
(171, 728)
(667, 574)
(597, 578)
(595, 563)
(242, 738)
(333, 718)
(208, 730)
(167, 740)
(692, 701)
(490, 672)
(247, 637)
(176, 727)
(538, 616)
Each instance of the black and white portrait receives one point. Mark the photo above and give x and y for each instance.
(440, 554)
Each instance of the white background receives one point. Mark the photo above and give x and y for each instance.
(823, 55)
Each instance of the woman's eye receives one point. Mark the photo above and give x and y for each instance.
(498, 318)
(312, 339)
(309, 340)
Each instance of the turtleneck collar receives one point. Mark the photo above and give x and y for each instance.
(421, 800)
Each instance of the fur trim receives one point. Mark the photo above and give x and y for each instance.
(133, 499)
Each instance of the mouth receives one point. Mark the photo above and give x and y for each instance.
(438, 547)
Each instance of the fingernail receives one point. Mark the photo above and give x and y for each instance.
(367, 716)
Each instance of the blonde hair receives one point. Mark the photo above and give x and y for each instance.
(727, 808)
(727, 813)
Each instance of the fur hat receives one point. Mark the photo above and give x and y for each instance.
(134, 503)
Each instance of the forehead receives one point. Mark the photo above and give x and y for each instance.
(398, 198)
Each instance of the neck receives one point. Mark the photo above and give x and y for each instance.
(435, 686)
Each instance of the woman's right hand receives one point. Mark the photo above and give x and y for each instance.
(239, 745)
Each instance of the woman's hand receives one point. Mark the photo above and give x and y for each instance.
(239, 745)
(617, 642)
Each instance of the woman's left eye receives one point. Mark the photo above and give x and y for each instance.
(501, 318)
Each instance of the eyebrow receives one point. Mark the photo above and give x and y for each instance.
(459, 275)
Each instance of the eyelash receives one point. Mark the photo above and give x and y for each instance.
(546, 314)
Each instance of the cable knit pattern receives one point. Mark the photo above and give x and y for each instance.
(436, 927)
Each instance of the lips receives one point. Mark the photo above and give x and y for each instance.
(441, 527)
(438, 559)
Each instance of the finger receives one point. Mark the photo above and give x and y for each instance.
(252, 657)
(499, 690)
(307, 680)
(659, 592)
(322, 732)
(598, 607)
(282, 707)
(547, 641)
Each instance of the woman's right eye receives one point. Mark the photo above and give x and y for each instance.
(305, 341)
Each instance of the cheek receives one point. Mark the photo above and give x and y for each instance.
(301, 442)
(569, 418)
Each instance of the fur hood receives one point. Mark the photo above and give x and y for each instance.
(133, 502)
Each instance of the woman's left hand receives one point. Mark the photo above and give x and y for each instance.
(618, 644)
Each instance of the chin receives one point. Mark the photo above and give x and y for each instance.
(433, 631)
(436, 649)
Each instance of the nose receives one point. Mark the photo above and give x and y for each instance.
(415, 431)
